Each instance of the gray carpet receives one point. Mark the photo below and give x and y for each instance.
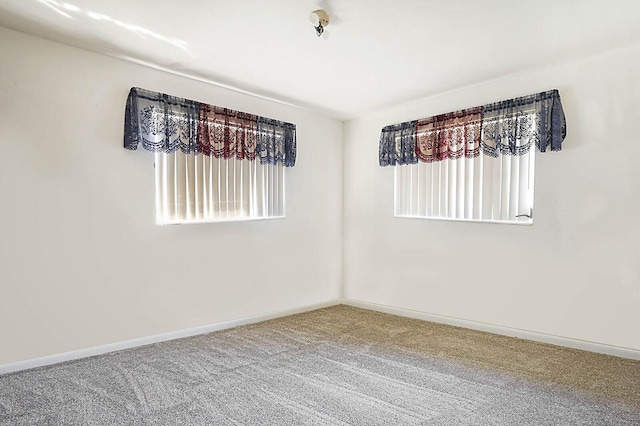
(299, 370)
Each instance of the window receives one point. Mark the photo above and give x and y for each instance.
(481, 188)
(211, 164)
(198, 188)
(475, 164)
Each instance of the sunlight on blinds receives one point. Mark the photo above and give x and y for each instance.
(199, 188)
(478, 189)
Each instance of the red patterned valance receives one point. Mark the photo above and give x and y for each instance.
(165, 123)
(453, 135)
(508, 127)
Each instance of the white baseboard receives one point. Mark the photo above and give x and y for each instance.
(497, 329)
(475, 325)
(142, 341)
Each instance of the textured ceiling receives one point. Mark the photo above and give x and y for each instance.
(377, 53)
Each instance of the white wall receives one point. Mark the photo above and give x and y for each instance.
(82, 262)
(575, 273)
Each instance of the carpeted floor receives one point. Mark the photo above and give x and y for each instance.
(334, 366)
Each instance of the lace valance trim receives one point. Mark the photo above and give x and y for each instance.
(165, 123)
(503, 128)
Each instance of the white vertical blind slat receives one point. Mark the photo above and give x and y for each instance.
(253, 191)
(269, 192)
(437, 189)
(415, 186)
(452, 196)
(226, 193)
(461, 187)
(400, 172)
(192, 188)
(505, 186)
(427, 188)
(471, 198)
(515, 187)
(202, 193)
(444, 189)
(174, 188)
(523, 184)
(478, 188)
(422, 188)
(496, 179)
(158, 169)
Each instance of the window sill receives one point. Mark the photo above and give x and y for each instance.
(220, 220)
(502, 222)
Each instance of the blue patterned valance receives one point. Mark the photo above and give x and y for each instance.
(164, 123)
(502, 128)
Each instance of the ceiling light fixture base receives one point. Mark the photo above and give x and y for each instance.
(319, 19)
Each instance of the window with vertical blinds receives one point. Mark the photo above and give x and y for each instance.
(192, 189)
(483, 188)
(211, 164)
(475, 164)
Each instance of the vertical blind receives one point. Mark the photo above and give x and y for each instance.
(211, 163)
(199, 188)
(473, 164)
(482, 188)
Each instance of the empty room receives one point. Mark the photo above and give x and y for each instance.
(327, 212)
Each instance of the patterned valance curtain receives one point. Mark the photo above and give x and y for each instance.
(164, 123)
(503, 128)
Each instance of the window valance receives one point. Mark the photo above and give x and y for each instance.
(503, 128)
(165, 123)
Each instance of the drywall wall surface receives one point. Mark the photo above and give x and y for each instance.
(82, 262)
(575, 273)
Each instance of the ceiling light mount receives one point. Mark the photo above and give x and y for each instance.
(319, 19)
